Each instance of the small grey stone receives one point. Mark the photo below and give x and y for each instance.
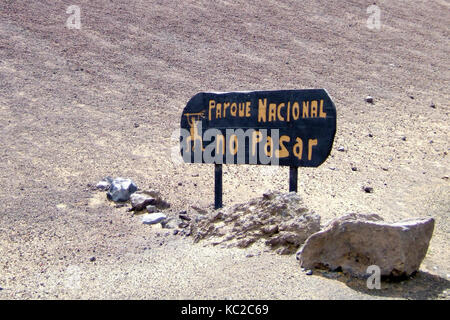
(369, 99)
(92, 259)
(121, 189)
(341, 149)
(170, 223)
(184, 217)
(151, 208)
(183, 225)
(153, 218)
(368, 189)
(354, 169)
(199, 210)
(104, 184)
(309, 273)
(404, 138)
(139, 201)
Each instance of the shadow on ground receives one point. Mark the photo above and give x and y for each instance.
(421, 286)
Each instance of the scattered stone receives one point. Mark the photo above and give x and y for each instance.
(370, 135)
(153, 218)
(140, 201)
(356, 241)
(183, 224)
(199, 210)
(354, 169)
(278, 220)
(199, 218)
(341, 149)
(104, 184)
(171, 223)
(369, 99)
(412, 97)
(121, 189)
(92, 259)
(368, 189)
(309, 273)
(136, 125)
(175, 232)
(404, 138)
(159, 202)
(432, 105)
(184, 217)
(151, 208)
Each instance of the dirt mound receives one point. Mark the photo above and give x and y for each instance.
(279, 220)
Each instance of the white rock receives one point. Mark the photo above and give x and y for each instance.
(153, 218)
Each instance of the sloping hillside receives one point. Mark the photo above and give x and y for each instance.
(78, 105)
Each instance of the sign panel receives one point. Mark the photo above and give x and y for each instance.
(293, 128)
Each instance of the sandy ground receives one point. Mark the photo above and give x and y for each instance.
(78, 105)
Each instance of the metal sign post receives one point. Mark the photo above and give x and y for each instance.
(293, 178)
(217, 186)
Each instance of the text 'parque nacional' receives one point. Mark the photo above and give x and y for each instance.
(288, 127)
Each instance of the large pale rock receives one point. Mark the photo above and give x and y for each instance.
(354, 242)
(278, 220)
(121, 189)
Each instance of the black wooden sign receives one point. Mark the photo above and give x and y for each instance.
(293, 128)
